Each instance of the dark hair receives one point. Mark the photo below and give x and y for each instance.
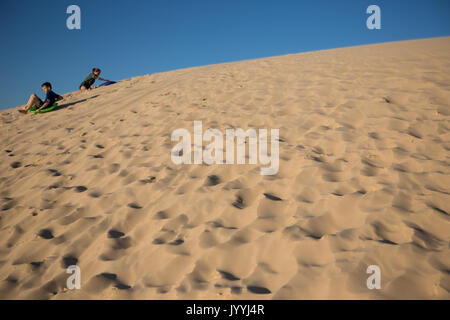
(47, 84)
(96, 70)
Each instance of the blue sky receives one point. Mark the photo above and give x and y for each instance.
(131, 38)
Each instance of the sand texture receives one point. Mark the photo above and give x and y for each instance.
(363, 180)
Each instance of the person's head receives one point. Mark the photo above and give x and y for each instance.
(96, 71)
(46, 86)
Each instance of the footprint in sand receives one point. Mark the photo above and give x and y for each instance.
(36, 264)
(134, 206)
(150, 179)
(236, 289)
(161, 215)
(228, 276)
(212, 180)
(69, 260)
(113, 168)
(112, 277)
(176, 242)
(46, 234)
(158, 241)
(114, 234)
(16, 165)
(239, 203)
(272, 197)
(258, 290)
(122, 286)
(108, 276)
(95, 194)
(122, 243)
(80, 189)
(54, 172)
(10, 203)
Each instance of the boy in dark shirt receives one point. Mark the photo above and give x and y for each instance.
(90, 79)
(50, 99)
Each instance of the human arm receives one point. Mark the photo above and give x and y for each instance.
(50, 100)
(44, 105)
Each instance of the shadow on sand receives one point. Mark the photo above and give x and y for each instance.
(64, 106)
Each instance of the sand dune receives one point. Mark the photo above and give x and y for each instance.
(363, 180)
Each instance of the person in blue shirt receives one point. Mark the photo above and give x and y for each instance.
(50, 99)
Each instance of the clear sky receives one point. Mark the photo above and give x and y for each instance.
(131, 38)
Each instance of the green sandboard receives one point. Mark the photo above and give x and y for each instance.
(51, 108)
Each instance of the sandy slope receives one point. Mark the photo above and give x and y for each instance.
(364, 179)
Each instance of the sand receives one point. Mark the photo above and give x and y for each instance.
(363, 180)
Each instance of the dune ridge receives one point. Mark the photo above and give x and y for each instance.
(363, 180)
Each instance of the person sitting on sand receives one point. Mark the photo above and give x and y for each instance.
(90, 79)
(50, 99)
